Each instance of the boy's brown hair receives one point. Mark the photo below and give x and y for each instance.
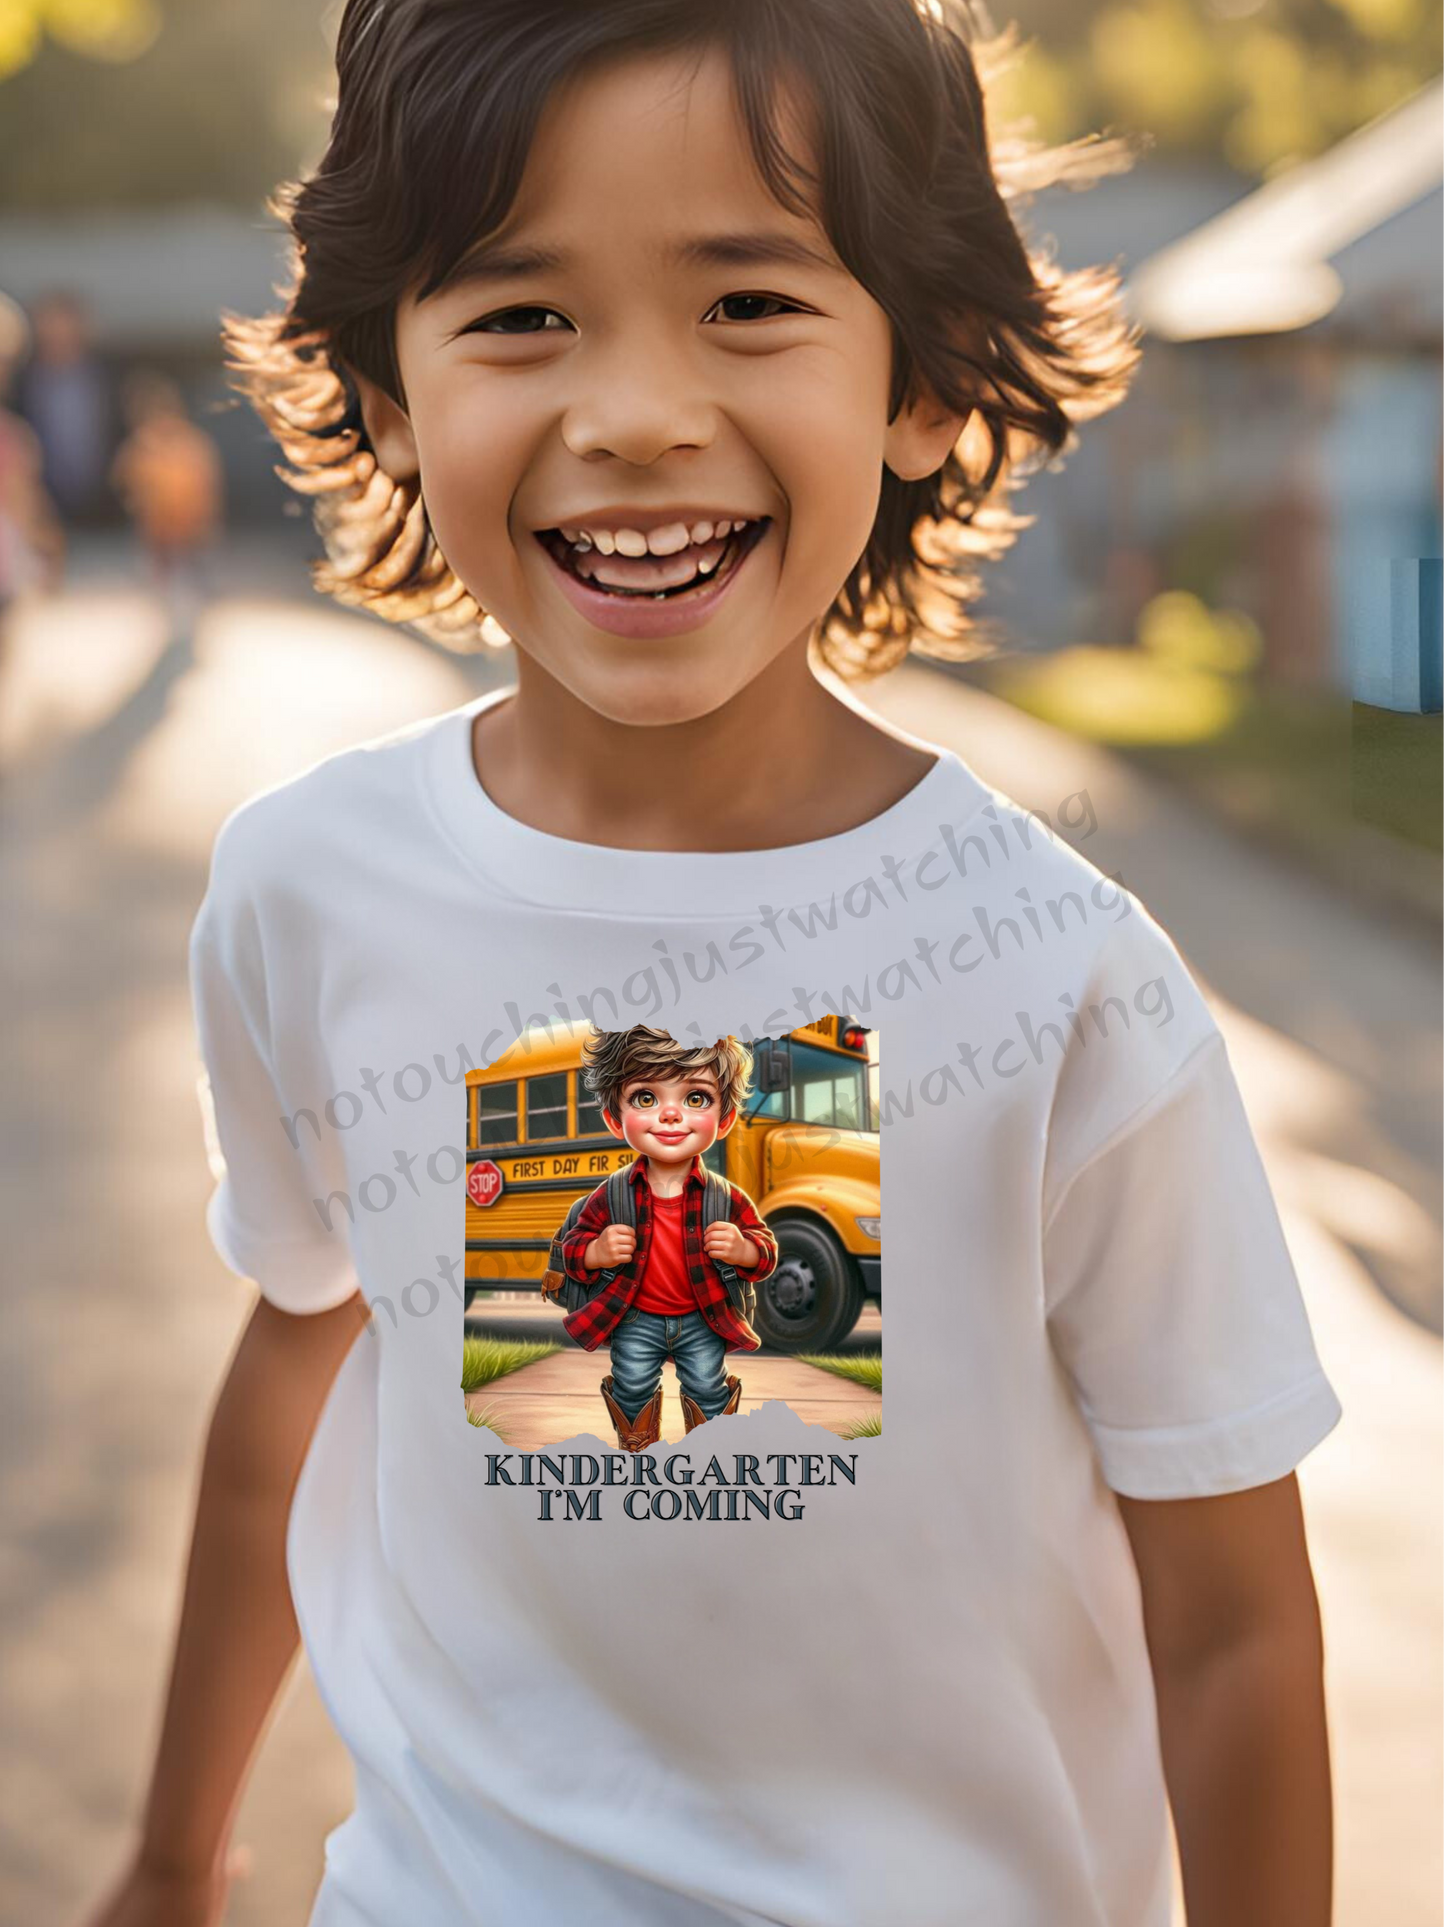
(616, 1058)
(913, 189)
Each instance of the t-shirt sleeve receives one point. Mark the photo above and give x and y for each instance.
(1173, 1303)
(262, 1216)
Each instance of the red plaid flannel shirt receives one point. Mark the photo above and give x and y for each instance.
(592, 1324)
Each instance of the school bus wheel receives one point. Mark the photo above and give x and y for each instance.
(813, 1297)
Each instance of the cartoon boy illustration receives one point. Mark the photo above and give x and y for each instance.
(671, 1102)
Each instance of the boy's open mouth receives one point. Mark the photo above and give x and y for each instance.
(700, 556)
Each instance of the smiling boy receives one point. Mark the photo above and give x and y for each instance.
(578, 286)
(670, 1104)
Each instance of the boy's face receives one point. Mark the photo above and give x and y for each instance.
(654, 347)
(671, 1119)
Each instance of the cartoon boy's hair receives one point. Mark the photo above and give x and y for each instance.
(615, 1058)
(437, 105)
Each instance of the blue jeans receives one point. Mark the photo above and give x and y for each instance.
(643, 1339)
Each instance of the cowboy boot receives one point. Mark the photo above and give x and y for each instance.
(693, 1414)
(634, 1433)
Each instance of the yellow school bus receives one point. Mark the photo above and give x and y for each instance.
(804, 1148)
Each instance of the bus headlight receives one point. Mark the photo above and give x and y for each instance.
(871, 1228)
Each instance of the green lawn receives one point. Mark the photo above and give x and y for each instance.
(484, 1359)
(1395, 773)
(866, 1428)
(1300, 768)
(864, 1368)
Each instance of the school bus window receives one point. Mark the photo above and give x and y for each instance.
(589, 1111)
(829, 1089)
(772, 1104)
(496, 1114)
(546, 1107)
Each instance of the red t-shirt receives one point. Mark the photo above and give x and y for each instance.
(665, 1287)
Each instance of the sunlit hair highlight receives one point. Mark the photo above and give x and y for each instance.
(916, 188)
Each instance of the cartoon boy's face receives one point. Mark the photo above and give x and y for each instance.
(651, 350)
(671, 1119)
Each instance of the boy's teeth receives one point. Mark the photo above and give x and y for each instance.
(669, 540)
(631, 562)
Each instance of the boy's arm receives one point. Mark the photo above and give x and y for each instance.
(1233, 1627)
(592, 1220)
(237, 1634)
(745, 1217)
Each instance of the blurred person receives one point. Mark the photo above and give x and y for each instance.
(32, 545)
(167, 474)
(683, 346)
(66, 393)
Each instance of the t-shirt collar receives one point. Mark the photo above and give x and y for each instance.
(672, 886)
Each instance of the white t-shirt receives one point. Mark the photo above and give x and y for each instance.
(926, 1697)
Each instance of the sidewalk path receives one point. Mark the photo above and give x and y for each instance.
(557, 1398)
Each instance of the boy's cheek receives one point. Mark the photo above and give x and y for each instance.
(469, 471)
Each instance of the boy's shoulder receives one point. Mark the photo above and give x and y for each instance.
(1137, 1028)
(1126, 1022)
(341, 806)
(1106, 938)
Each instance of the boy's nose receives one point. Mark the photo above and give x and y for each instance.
(637, 404)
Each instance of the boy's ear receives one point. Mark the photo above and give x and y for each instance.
(388, 429)
(918, 439)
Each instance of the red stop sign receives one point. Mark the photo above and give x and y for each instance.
(484, 1182)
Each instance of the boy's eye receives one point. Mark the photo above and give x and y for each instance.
(519, 321)
(751, 307)
(699, 1100)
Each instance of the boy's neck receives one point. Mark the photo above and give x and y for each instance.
(784, 761)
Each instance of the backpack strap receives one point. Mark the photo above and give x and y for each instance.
(621, 1198)
(556, 1283)
(717, 1204)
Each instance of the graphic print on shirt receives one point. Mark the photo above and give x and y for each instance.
(659, 1234)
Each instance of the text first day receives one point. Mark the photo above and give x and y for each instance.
(568, 1164)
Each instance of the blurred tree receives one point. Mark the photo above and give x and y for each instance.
(218, 102)
(113, 103)
(1257, 83)
(105, 29)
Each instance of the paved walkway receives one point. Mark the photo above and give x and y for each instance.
(557, 1398)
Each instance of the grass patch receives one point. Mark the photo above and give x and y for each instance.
(485, 1421)
(1395, 773)
(484, 1359)
(866, 1428)
(864, 1368)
